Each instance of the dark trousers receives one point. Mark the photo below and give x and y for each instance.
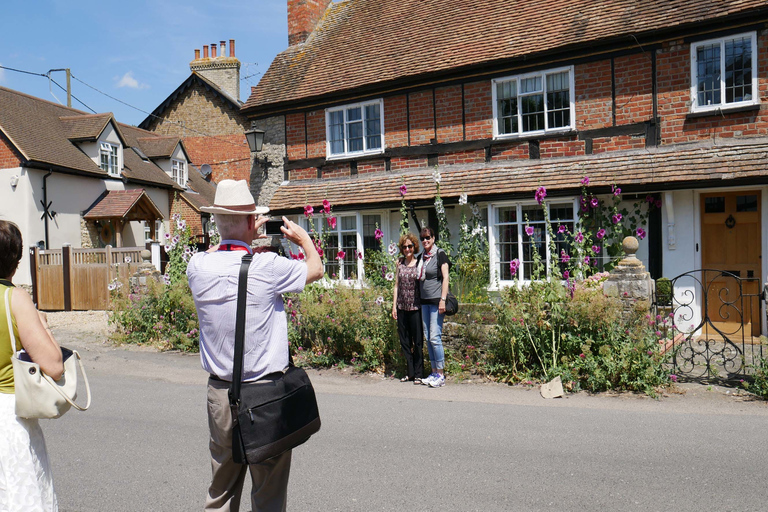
(411, 339)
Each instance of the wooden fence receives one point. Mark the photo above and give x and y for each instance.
(70, 279)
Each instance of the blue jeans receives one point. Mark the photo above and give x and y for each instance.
(432, 322)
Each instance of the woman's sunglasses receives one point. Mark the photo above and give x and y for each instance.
(409, 246)
(426, 238)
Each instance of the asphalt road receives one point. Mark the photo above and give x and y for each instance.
(390, 446)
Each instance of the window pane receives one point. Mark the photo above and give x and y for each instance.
(507, 112)
(714, 205)
(532, 84)
(558, 100)
(354, 114)
(507, 249)
(738, 70)
(532, 108)
(535, 243)
(336, 132)
(506, 214)
(331, 251)
(349, 246)
(355, 136)
(348, 223)
(369, 229)
(708, 74)
(746, 203)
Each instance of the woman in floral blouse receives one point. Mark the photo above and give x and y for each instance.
(406, 308)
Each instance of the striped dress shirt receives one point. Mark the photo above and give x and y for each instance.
(213, 279)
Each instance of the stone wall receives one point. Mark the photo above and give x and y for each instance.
(89, 235)
(264, 184)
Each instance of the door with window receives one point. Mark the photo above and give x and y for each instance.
(730, 243)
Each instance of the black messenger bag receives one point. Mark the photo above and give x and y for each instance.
(273, 414)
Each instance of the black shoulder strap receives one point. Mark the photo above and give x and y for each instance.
(242, 296)
(5, 282)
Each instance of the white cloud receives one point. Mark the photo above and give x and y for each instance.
(128, 81)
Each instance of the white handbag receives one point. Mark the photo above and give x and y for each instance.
(37, 394)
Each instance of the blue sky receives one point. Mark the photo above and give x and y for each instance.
(137, 51)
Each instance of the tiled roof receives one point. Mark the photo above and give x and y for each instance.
(85, 127)
(124, 204)
(200, 192)
(45, 134)
(366, 42)
(186, 84)
(158, 146)
(643, 170)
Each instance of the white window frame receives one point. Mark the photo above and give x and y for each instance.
(520, 277)
(344, 108)
(517, 79)
(112, 152)
(695, 107)
(179, 172)
(147, 231)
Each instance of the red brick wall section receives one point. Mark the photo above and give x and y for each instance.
(551, 148)
(510, 151)
(592, 83)
(395, 122)
(674, 76)
(316, 134)
(336, 170)
(462, 157)
(302, 174)
(193, 218)
(478, 110)
(294, 129)
(406, 162)
(9, 157)
(368, 166)
(448, 108)
(303, 15)
(621, 143)
(422, 120)
(634, 88)
(228, 156)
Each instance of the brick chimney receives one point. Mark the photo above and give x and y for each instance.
(222, 70)
(303, 16)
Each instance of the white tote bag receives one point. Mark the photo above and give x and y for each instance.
(37, 394)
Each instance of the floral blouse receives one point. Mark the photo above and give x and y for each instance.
(407, 287)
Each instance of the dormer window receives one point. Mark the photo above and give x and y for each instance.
(108, 158)
(355, 129)
(179, 172)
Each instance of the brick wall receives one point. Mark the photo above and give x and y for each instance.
(294, 130)
(316, 134)
(9, 157)
(193, 218)
(478, 110)
(592, 84)
(422, 119)
(395, 122)
(634, 88)
(228, 156)
(448, 108)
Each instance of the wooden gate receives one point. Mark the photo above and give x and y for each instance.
(70, 279)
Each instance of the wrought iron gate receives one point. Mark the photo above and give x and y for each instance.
(710, 323)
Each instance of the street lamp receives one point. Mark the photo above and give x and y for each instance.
(255, 139)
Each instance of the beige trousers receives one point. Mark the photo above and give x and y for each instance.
(269, 479)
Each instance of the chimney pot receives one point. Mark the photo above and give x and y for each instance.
(232, 48)
(213, 50)
(205, 51)
(223, 48)
(197, 54)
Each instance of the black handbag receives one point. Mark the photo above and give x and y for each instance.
(271, 415)
(451, 304)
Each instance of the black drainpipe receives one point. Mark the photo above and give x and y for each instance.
(46, 205)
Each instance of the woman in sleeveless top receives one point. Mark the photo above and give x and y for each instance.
(406, 308)
(25, 478)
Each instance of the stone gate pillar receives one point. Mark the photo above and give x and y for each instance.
(628, 280)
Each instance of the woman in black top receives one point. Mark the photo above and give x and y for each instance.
(406, 308)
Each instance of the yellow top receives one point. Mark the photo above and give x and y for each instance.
(6, 367)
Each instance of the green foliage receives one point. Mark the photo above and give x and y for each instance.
(344, 325)
(759, 383)
(179, 249)
(443, 233)
(470, 271)
(162, 315)
(546, 329)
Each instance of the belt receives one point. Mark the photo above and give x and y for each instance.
(214, 377)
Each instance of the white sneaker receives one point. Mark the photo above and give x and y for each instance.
(438, 382)
(428, 380)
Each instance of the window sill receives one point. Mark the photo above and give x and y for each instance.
(535, 136)
(352, 156)
(723, 111)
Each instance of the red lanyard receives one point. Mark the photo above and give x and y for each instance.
(233, 247)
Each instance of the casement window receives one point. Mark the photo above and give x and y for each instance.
(109, 159)
(509, 240)
(355, 129)
(533, 103)
(724, 72)
(179, 172)
(148, 231)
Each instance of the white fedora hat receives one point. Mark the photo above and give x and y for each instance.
(234, 198)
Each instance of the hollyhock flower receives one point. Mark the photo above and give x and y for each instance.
(649, 199)
(389, 276)
(582, 355)
(340, 255)
(640, 233)
(127, 259)
(308, 211)
(514, 265)
(616, 218)
(379, 300)
(436, 176)
(359, 254)
(566, 274)
(616, 190)
(463, 199)
(540, 194)
(579, 237)
(561, 229)
(475, 210)
(326, 206)
(529, 230)
(657, 204)
(167, 236)
(378, 234)
(594, 202)
(585, 181)
(600, 234)
(403, 190)
(392, 249)
(332, 222)
(564, 257)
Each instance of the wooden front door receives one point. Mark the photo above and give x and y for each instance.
(730, 242)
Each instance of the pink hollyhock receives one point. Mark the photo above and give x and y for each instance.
(340, 255)
(600, 234)
(594, 202)
(579, 237)
(308, 211)
(564, 257)
(616, 218)
(332, 222)
(640, 233)
(566, 274)
(657, 203)
(403, 189)
(529, 230)
(326, 206)
(540, 194)
(585, 181)
(513, 266)
(561, 229)
(378, 234)
(596, 249)
(616, 190)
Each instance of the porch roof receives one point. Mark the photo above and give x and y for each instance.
(126, 205)
(651, 169)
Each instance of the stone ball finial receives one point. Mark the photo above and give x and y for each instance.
(146, 255)
(630, 245)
